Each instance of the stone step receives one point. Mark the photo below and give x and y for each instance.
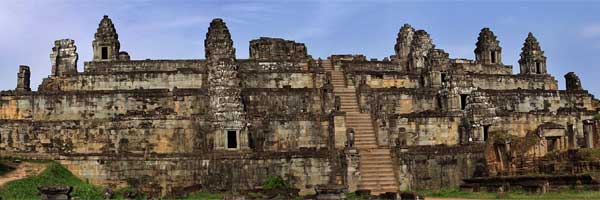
(353, 118)
(359, 116)
(364, 136)
(375, 185)
(364, 133)
(381, 163)
(374, 174)
(355, 115)
(380, 179)
(372, 181)
(365, 142)
(365, 124)
(375, 151)
(361, 130)
(366, 146)
(381, 159)
(380, 170)
(353, 108)
(369, 170)
(360, 122)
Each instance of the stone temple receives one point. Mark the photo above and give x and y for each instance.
(415, 120)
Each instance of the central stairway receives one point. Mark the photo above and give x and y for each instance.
(376, 167)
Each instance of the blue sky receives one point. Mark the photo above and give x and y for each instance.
(568, 31)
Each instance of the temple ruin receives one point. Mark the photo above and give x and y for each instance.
(415, 120)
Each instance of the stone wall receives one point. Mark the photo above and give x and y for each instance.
(266, 48)
(144, 65)
(164, 174)
(435, 167)
(125, 81)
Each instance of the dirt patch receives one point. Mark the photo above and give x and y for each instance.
(22, 170)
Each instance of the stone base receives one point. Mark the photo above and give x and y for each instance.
(57, 192)
(331, 192)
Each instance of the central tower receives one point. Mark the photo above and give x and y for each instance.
(227, 112)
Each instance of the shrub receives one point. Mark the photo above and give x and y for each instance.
(276, 182)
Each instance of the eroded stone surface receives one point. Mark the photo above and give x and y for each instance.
(222, 123)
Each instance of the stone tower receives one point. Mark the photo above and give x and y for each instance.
(573, 82)
(64, 57)
(106, 41)
(532, 59)
(488, 49)
(419, 48)
(23, 78)
(403, 42)
(226, 106)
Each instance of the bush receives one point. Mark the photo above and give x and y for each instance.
(5, 169)
(276, 182)
(586, 154)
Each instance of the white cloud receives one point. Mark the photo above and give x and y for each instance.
(591, 31)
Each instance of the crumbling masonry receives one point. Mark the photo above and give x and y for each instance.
(415, 120)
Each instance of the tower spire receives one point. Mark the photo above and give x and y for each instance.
(106, 41)
(488, 49)
(532, 59)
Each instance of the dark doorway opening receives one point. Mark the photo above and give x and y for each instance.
(463, 101)
(444, 78)
(104, 52)
(552, 144)
(486, 132)
(538, 68)
(493, 56)
(231, 139)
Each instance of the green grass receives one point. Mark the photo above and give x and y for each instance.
(54, 174)
(456, 193)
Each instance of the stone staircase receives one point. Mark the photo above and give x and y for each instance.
(376, 167)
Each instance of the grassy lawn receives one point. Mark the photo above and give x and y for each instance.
(456, 193)
(54, 174)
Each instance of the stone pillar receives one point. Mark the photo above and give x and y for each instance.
(588, 133)
(572, 81)
(64, 57)
(572, 137)
(55, 192)
(420, 47)
(402, 47)
(23, 78)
